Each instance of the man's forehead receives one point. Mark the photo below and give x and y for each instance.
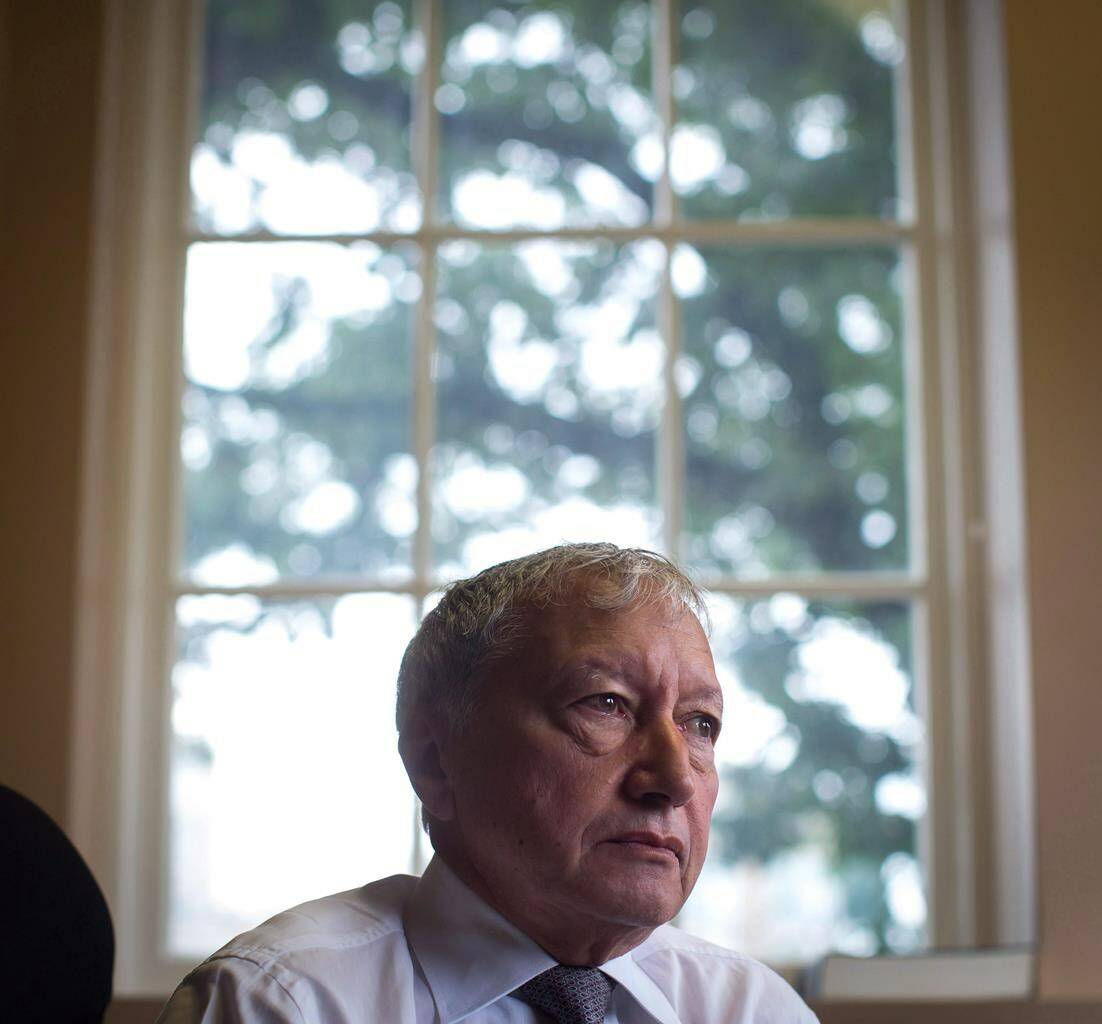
(576, 617)
(630, 637)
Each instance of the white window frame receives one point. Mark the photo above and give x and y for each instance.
(131, 520)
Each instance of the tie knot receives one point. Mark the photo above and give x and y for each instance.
(571, 995)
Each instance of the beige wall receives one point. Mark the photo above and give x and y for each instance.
(48, 69)
(1055, 85)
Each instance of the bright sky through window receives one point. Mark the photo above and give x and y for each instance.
(368, 416)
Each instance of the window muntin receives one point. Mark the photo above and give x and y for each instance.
(569, 153)
(304, 116)
(297, 438)
(791, 380)
(698, 284)
(283, 761)
(548, 372)
(797, 119)
(815, 831)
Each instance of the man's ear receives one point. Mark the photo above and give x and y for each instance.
(419, 744)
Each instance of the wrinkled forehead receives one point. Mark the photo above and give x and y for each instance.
(553, 630)
(600, 590)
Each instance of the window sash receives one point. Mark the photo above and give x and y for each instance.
(671, 228)
(153, 79)
(668, 225)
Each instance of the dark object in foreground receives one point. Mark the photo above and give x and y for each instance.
(59, 946)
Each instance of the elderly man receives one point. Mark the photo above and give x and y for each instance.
(557, 715)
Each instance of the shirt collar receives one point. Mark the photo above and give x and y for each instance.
(472, 956)
(631, 978)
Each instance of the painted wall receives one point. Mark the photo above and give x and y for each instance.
(48, 75)
(49, 67)
(1055, 87)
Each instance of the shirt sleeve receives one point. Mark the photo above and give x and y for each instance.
(230, 990)
(781, 1004)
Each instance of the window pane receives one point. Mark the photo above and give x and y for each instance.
(296, 437)
(286, 783)
(814, 837)
(792, 383)
(786, 109)
(549, 377)
(303, 119)
(547, 118)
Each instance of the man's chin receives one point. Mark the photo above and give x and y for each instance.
(635, 905)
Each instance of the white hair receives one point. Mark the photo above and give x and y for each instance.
(483, 617)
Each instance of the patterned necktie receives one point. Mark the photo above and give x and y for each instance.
(570, 995)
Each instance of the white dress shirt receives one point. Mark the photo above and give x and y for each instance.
(405, 950)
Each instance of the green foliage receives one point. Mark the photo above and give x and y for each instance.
(799, 457)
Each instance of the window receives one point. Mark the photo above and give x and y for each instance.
(442, 298)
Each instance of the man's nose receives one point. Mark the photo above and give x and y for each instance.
(661, 771)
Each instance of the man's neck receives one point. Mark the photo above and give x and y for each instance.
(576, 943)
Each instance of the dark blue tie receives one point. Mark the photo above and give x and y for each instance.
(570, 995)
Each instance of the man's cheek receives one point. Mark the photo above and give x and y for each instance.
(708, 784)
(546, 796)
(595, 736)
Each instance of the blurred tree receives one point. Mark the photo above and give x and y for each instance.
(792, 368)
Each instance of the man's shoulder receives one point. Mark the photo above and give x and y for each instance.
(726, 984)
(340, 923)
(319, 960)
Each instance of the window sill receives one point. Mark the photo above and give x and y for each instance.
(979, 1012)
(142, 1011)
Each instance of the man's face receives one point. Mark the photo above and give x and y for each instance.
(584, 786)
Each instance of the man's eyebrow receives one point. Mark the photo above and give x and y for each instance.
(588, 665)
(703, 691)
(619, 664)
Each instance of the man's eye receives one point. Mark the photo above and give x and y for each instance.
(609, 703)
(704, 727)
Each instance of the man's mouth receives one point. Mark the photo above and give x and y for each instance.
(650, 843)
